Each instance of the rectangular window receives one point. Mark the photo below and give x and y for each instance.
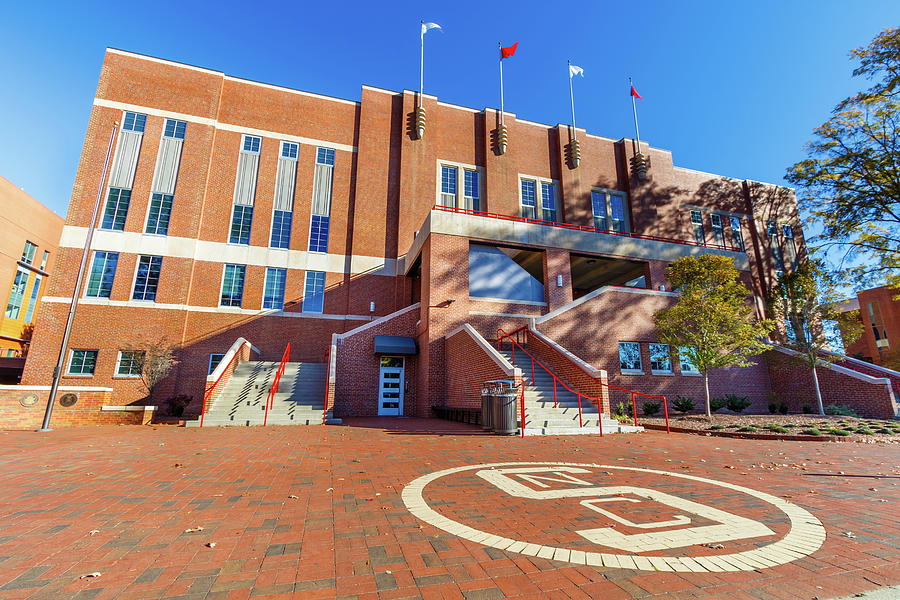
(318, 233)
(273, 293)
(314, 292)
(160, 211)
(147, 279)
(630, 357)
(241, 220)
(660, 358)
(28, 252)
(233, 285)
(103, 271)
(130, 363)
(134, 122)
(472, 190)
(697, 224)
(290, 150)
(325, 156)
(790, 246)
(174, 129)
(252, 144)
(737, 237)
(718, 231)
(17, 294)
(214, 360)
(775, 246)
(529, 199)
(44, 260)
(82, 362)
(686, 365)
(548, 202)
(617, 212)
(116, 209)
(448, 186)
(598, 205)
(35, 290)
(281, 229)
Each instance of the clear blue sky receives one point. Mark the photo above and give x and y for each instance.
(730, 89)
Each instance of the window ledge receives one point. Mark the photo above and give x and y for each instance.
(78, 375)
(506, 301)
(630, 372)
(664, 373)
(118, 376)
(690, 374)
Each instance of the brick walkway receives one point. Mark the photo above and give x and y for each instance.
(317, 512)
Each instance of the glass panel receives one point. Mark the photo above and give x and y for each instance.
(116, 209)
(529, 198)
(273, 296)
(240, 224)
(289, 150)
(495, 274)
(686, 365)
(630, 356)
(697, 223)
(103, 272)
(598, 205)
(325, 156)
(83, 362)
(35, 290)
(617, 212)
(16, 295)
(391, 361)
(160, 211)
(660, 360)
(736, 236)
(318, 233)
(281, 229)
(233, 285)
(147, 279)
(548, 201)
(314, 292)
(472, 191)
(252, 143)
(214, 360)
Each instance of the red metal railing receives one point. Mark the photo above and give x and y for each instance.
(210, 389)
(729, 247)
(327, 375)
(557, 380)
(270, 399)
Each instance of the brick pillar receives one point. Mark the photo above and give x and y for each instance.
(556, 262)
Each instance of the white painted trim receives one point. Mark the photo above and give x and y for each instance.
(600, 137)
(372, 88)
(842, 370)
(379, 321)
(541, 125)
(586, 366)
(458, 107)
(226, 360)
(481, 313)
(850, 359)
(128, 408)
(156, 112)
(598, 292)
(498, 358)
(62, 388)
(506, 301)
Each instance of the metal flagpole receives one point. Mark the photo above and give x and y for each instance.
(421, 62)
(501, 82)
(572, 98)
(79, 281)
(637, 131)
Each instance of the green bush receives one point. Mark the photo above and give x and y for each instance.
(782, 408)
(747, 429)
(683, 405)
(883, 430)
(716, 427)
(620, 414)
(717, 404)
(811, 431)
(865, 431)
(651, 408)
(807, 409)
(841, 410)
(736, 403)
(836, 431)
(777, 429)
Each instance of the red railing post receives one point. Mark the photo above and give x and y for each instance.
(532, 370)
(523, 409)
(514, 353)
(580, 422)
(327, 382)
(666, 412)
(270, 398)
(634, 408)
(554, 391)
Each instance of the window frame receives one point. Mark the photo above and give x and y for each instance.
(654, 371)
(162, 201)
(137, 270)
(327, 220)
(118, 373)
(608, 195)
(287, 145)
(459, 197)
(21, 297)
(210, 369)
(33, 299)
(134, 122)
(246, 137)
(28, 257)
(265, 296)
(222, 286)
(175, 127)
(539, 183)
(737, 233)
(303, 303)
(681, 362)
(116, 212)
(87, 287)
(718, 231)
(698, 224)
(70, 373)
(290, 229)
(640, 360)
(244, 208)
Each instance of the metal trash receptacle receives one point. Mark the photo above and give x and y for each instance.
(487, 407)
(505, 394)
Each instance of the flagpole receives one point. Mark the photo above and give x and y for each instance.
(637, 131)
(501, 82)
(421, 61)
(572, 98)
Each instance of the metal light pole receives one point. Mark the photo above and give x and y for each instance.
(79, 281)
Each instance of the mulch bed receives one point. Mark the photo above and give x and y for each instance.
(801, 427)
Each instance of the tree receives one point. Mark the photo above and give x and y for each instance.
(154, 360)
(712, 323)
(850, 182)
(806, 300)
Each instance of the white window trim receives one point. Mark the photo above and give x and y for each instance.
(137, 265)
(609, 193)
(272, 229)
(244, 137)
(90, 269)
(116, 373)
(537, 197)
(631, 371)
(653, 371)
(231, 222)
(281, 151)
(222, 286)
(69, 363)
(262, 300)
(302, 299)
(461, 169)
(309, 232)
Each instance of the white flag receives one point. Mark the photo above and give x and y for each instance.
(427, 26)
(573, 71)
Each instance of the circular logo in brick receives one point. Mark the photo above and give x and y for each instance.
(615, 516)
(68, 400)
(29, 399)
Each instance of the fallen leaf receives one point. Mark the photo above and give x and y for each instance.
(93, 531)
(330, 490)
(194, 529)
(211, 545)
(89, 575)
(179, 466)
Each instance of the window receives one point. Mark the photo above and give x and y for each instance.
(630, 357)
(467, 196)
(273, 294)
(28, 252)
(160, 211)
(448, 186)
(174, 129)
(737, 237)
(289, 150)
(687, 366)
(82, 362)
(777, 256)
(103, 271)
(130, 363)
(718, 231)
(134, 122)
(240, 224)
(697, 224)
(512, 274)
(529, 199)
(233, 285)
(548, 202)
(44, 260)
(116, 209)
(789, 245)
(472, 189)
(147, 279)
(35, 290)
(660, 358)
(214, 360)
(325, 156)
(281, 229)
(609, 210)
(318, 233)
(314, 292)
(251, 144)
(17, 294)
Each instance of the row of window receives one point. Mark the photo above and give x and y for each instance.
(129, 363)
(28, 255)
(718, 230)
(660, 359)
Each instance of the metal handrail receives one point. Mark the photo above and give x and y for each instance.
(587, 228)
(209, 390)
(327, 375)
(270, 399)
(578, 394)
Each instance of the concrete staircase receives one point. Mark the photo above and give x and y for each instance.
(300, 399)
(542, 418)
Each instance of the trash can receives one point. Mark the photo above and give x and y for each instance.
(505, 394)
(487, 407)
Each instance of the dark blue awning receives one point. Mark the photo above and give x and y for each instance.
(393, 344)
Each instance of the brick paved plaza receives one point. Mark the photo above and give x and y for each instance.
(321, 512)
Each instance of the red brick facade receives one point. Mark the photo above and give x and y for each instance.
(93, 406)
(469, 365)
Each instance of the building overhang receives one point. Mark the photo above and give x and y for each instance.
(395, 344)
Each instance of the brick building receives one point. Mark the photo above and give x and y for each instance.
(879, 312)
(236, 210)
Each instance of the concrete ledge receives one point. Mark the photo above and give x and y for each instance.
(129, 408)
(62, 388)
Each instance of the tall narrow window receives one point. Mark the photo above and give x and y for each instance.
(737, 236)
(17, 294)
(103, 271)
(174, 129)
(697, 224)
(660, 358)
(314, 292)
(82, 362)
(32, 304)
(241, 220)
(789, 246)
(448, 186)
(321, 207)
(318, 234)
(548, 202)
(147, 280)
(28, 252)
(529, 199)
(777, 256)
(285, 178)
(598, 205)
(160, 211)
(281, 229)
(233, 285)
(116, 209)
(134, 122)
(44, 260)
(273, 293)
(630, 357)
(618, 215)
(245, 190)
(472, 190)
(718, 230)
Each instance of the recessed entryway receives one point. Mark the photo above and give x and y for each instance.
(390, 386)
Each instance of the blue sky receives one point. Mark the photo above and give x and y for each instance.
(733, 89)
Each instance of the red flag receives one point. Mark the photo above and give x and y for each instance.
(635, 94)
(508, 51)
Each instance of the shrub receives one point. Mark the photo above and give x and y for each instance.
(683, 405)
(811, 431)
(839, 432)
(736, 403)
(864, 431)
(747, 428)
(807, 409)
(883, 430)
(651, 408)
(841, 410)
(717, 404)
(620, 414)
(777, 429)
(782, 408)
(716, 427)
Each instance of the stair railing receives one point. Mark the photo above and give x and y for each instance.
(556, 380)
(270, 399)
(327, 376)
(211, 388)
